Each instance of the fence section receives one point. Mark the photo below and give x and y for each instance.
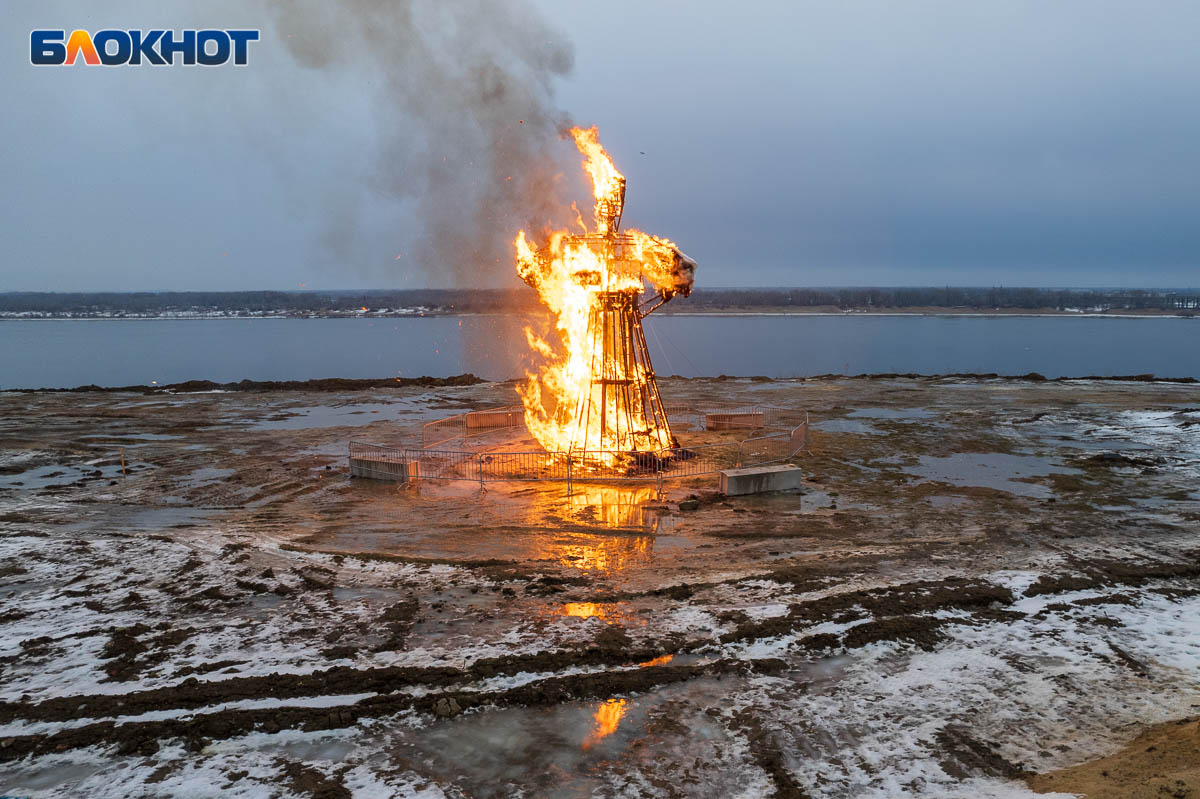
(410, 463)
(498, 466)
(471, 424)
(680, 462)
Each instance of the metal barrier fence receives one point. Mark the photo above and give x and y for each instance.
(411, 463)
(498, 466)
(471, 424)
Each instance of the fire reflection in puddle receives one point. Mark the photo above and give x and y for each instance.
(607, 554)
(601, 529)
(607, 718)
(661, 660)
(608, 612)
(618, 507)
(585, 610)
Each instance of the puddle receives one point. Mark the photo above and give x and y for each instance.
(810, 500)
(607, 719)
(589, 610)
(991, 470)
(205, 476)
(57, 475)
(570, 750)
(134, 436)
(356, 415)
(604, 554)
(143, 519)
(424, 407)
(618, 507)
(661, 660)
(494, 751)
(897, 414)
(947, 502)
(845, 426)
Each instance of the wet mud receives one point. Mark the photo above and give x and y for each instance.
(190, 584)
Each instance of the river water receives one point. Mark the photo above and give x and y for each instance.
(55, 353)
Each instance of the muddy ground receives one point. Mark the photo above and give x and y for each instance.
(983, 581)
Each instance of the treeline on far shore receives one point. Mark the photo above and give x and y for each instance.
(449, 301)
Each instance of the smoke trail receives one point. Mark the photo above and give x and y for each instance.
(466, 126)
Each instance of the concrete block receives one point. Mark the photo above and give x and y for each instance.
(489, 420)
(379, 467)
(760, 479)
(733, 421)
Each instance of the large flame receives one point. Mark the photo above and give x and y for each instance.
(569, 273)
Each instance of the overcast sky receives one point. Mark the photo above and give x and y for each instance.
(794, 143)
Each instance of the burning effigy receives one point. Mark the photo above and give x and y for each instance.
(594, 394)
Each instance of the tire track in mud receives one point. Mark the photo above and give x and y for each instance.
(895, 613)
(768, 755)
(193, 693)
(143, 737)
(611, 648)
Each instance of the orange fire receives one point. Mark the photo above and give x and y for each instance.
(571, 273)
(608, 717)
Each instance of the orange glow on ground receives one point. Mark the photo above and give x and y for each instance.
(661, 660)
(585, 610)
(609, 555)
(607, 718)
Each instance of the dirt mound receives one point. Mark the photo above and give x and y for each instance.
(1161, 763)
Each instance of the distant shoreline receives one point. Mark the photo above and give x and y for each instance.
(718, 312)
(342, 384)
(703, 301)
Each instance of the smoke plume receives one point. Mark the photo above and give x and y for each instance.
(466, 134)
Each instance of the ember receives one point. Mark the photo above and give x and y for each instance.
(596, 395)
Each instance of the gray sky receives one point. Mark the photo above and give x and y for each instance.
(794, 143)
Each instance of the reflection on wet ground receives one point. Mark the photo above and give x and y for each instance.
(601, 531)
(898, 414)
(586, 610)
(56, 475)
(561, 751)
(590, 552)
(845, 426)
(608, 717)
(355, 415)
(947, 502)
(205, 475)
(604, 642)
(617, 506)
(991, 470)
(612, 527)
(661, 660)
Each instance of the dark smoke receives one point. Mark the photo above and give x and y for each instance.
(466, 130)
